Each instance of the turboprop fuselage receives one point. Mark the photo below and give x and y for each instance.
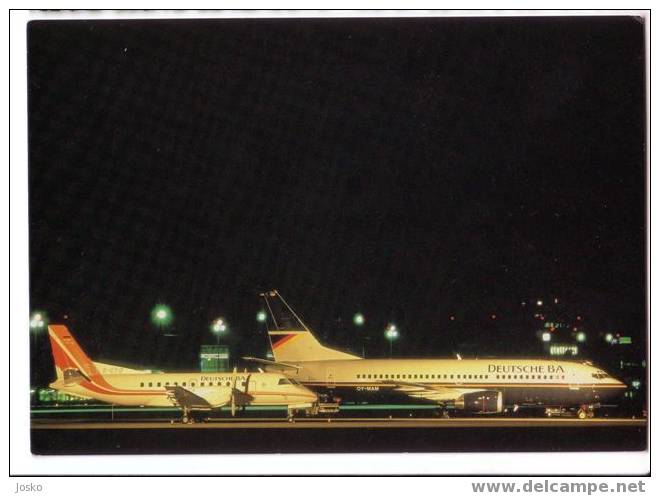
(78, 375)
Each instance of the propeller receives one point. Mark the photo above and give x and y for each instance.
(233, 397)
(247, 383)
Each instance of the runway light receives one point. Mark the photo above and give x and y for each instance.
(539, 303)
(261, 316)
(609, 337)
(580, 337)
(636, 384)
(546, 337)
(161, 315)
(358, 319)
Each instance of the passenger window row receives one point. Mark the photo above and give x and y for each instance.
(421, 376)
(183, 384)
(456, 376)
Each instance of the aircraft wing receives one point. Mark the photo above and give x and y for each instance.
(275, 365)
(207, 398)
(184, 397)
(439, 394)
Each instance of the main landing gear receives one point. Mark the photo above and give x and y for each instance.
(186, 417)
(585, 412)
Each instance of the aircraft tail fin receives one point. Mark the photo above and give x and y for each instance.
(71, 362)
(291, 340)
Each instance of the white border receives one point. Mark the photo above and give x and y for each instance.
(22, 462)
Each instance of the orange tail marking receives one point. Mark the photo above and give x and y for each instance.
(67, 352)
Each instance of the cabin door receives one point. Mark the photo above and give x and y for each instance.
(574, 385)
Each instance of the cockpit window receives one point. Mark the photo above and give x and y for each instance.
(599, 375)
(283, 381)
(294, 382)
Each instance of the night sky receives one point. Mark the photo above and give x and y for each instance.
(410, 169)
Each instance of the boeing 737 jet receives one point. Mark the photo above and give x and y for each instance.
(77, 375)
(468, 385)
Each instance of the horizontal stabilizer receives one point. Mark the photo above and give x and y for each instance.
(109, 369)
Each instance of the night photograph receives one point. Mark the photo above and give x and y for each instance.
(299, 234)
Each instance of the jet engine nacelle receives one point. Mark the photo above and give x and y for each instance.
(481, 402)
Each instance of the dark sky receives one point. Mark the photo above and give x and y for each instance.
(408, 168)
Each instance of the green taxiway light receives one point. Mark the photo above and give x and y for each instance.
(261, 316)
(358, 319)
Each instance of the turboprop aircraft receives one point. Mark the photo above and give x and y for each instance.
(475, 386)
(78, 375)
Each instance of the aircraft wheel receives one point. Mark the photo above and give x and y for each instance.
(581, 414)
(185, 419)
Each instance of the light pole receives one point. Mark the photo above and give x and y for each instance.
(38, 323)
(358, 321)
(391, 333)
(218, 327)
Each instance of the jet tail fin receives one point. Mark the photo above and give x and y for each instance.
(290, 339)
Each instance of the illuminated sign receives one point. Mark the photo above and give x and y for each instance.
(563, 349)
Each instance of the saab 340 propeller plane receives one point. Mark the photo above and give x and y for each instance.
(474, 386)
(77, 375)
